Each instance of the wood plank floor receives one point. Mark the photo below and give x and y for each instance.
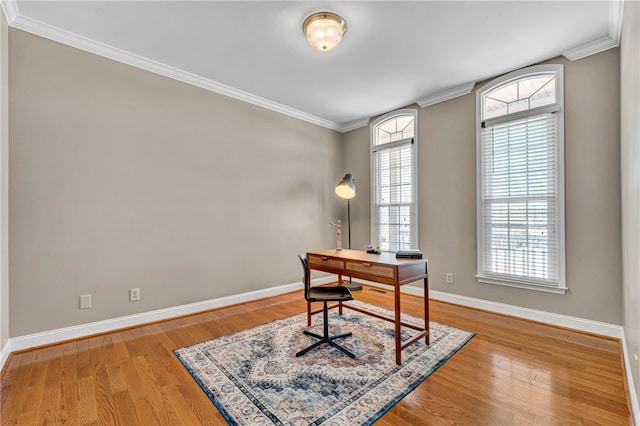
(511, 372)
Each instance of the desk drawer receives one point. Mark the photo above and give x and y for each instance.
(327, 262)
(370, 269)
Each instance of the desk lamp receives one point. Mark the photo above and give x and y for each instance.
(346, 189)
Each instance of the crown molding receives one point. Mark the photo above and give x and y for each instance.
(352, 125)
(605, 43)
(591, 48)
(88, 45)
(15, 20)
(446, 95)
(616, 8)
(10, 10)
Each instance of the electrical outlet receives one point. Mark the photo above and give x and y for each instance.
(85, 301)
(134, 294)
(449, 278)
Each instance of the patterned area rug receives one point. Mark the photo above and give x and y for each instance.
(254, 378)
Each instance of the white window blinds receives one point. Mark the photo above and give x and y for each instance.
(394, 215)
(519, 200)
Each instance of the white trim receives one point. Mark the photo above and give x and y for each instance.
(616, 9)
(83, 330)
(75, 332)
(546, 109)
(524, 284)
(609, 42)
(631, 386)
(347, 127)
(551, 318)
(4, 353)
(10, 10)
(79, 42)
(446, 95)
(14, 19)
(590, 48)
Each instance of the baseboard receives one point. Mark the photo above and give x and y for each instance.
(82, 330)
(75, 332)
(575, 323)
(4, 354)
(631, 386)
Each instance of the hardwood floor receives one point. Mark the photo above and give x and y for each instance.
(511, 372)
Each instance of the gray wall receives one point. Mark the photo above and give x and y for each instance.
(121, 178)
(630, 155)
(4, 184)
(447, 194)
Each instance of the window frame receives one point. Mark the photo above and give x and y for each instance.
(558, 109)
(414, 169)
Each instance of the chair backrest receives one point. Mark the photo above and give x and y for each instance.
(306, 279)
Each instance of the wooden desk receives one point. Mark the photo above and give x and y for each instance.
(383, 268)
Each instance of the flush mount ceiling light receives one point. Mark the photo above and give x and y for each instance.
(324, 30)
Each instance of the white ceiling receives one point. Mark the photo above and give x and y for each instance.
(394, 53)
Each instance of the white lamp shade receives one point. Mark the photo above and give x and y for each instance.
(346, 188)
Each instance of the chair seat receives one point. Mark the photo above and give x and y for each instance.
(329, 294)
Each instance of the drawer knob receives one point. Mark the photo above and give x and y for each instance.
(324, 258)
(367, 265)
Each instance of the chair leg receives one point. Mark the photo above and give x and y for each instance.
(307, 349)
(308, 333)
(338, 336)
(326, 338)
(343, 350)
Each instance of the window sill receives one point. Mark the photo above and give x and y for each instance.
(523, 285)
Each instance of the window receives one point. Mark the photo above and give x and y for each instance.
(520, 182)
(394, 216)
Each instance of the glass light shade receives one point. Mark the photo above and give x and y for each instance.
(346, 188)
(324, 30)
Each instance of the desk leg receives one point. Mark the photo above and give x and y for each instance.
(426, 310)
(340, 303)
(398, 336)
(307, 285)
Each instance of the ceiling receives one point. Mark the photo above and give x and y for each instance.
(395, 53)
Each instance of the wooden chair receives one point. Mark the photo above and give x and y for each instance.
(323, 294)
